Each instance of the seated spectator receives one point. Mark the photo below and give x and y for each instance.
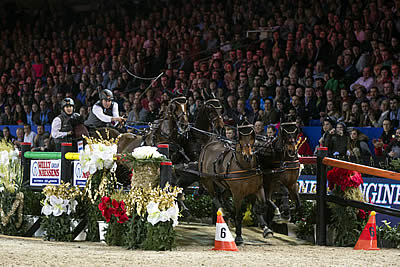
(394, 113)
(7, 118)
(259, 128)
(28, 114)
(45, 114)
(366, 117)
(230, 133)
(39, 140)
(385, 138)
(366, 80)
(153, 113)
(358, 150)
(83, 113)
(137, 113)
(29, 135)
(392, 151)
(255, 108)
(270, 115)
(242, 113)
(20, 137)
(327, 126)
(271, 131)
(7, 135)
(337, 141)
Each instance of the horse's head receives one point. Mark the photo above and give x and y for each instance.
(177, 110)
(246, 139)
(288, 132)
(214, 113)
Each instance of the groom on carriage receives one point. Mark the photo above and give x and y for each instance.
(62, 127)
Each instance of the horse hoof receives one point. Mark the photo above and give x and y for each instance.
(268, 233)
(239, 241)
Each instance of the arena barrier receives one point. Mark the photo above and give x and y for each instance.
(322, 197)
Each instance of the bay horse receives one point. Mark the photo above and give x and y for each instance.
(231, 169)
(281, 168)
(167, 130)
(208, 125)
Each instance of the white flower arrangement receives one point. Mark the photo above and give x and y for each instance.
(9, 168)
(147, 152)
(155, 215)
(98, 156)
(56, 206)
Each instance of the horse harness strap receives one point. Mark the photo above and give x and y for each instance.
(291, 165)
(238, 175)
(287, 165)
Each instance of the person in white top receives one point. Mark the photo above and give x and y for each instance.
(29, 134)
(62, 127)
(104, 112)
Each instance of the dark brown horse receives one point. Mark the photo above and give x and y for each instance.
(280, 166)
(207, 126)
(231, 169)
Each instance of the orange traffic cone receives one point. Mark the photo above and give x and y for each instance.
(223, 237)
(367, 240)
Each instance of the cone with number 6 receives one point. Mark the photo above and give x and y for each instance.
(367, 240)
(223, 237)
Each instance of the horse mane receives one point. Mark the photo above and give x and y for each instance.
(202, 119)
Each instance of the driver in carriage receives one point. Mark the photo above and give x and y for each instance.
(62, 127)
(104, 113)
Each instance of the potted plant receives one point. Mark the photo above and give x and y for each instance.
(346, 222)
(154, 214)
(11, 196)
(145, 164)
(59, 208)
(114, 211)
(388, 236)
(98, 158)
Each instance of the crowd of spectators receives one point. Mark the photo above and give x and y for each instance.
(267, 61)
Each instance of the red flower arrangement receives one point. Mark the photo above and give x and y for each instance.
(343, 178)
(114, 207)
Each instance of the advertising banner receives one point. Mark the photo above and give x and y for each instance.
(79, 177)
(380, 191)
(44, 172)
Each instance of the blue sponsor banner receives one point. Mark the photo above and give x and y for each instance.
(380, 191)
(44, 172)
(80, 178)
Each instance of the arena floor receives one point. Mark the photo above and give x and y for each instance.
(195, 243)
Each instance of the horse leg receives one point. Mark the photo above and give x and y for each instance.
(238, 220)
(284, 207)
(268, 189)
(260, 209)
(294, 195)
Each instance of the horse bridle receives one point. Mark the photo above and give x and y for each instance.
(287, 132)
(216, 105)
(245, 130)
(181, 101)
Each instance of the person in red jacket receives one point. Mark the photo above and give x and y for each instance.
(304, 149)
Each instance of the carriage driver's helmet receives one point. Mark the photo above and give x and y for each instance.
(67, 105)
(106, 94)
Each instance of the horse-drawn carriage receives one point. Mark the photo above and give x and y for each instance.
(229, 169)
